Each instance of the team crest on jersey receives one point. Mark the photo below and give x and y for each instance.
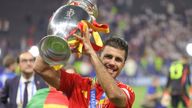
(84, 93)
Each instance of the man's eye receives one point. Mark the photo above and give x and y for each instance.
(24, 60)
(118, 59)
(108, 56)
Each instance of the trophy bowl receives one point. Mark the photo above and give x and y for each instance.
(54, 47)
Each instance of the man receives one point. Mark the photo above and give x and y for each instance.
(178, 80)
(19, 90)
(101, 92)
(9, 63)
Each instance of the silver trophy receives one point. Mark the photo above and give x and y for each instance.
(54, 48)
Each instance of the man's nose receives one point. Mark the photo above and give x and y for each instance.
(112, 61)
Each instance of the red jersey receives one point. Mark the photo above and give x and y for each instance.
(77, 89)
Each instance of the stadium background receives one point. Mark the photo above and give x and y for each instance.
(157, 32)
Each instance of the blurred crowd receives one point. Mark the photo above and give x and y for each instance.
(155, 39)
(157, 33)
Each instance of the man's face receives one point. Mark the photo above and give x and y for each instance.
(26, 61)
(113, 59)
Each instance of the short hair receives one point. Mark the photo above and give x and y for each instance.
(18, 57)
(118, 43)
(8, 60)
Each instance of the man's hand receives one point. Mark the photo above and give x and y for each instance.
(87, 44)
(85, 38)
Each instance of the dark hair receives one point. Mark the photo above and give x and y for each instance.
(18, 57)
(117, 43)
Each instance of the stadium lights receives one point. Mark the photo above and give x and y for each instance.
(189, 49)
(34, 51)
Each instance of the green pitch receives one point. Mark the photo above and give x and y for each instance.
(139, 96)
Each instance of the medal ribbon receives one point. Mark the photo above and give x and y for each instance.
(92, 102)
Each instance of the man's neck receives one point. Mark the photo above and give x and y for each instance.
(27, 75)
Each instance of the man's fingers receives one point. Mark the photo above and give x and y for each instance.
(78, 37)
(86, 35)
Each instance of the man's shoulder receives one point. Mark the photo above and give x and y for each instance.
(38, 77)
(12, 81)
(128, 91)
(39, 81)
(16, 77)
(125, 86)
(120, 84)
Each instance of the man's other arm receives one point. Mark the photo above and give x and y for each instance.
(51, 76)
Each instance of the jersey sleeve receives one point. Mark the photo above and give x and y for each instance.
(68, 81)
(129, 93)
